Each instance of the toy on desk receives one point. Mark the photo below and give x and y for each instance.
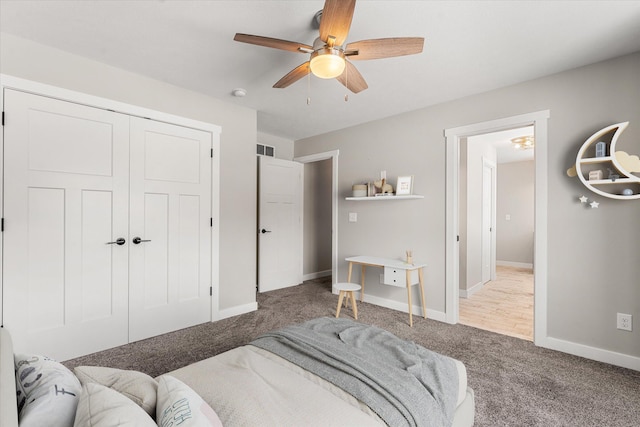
(410, 257)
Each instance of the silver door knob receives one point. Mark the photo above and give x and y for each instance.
(137, 240)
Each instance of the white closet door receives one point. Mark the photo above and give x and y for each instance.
(170, 273)
(66, 197)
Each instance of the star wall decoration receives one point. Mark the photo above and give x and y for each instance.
(585, 200)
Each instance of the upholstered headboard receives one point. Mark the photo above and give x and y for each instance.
(8, 403)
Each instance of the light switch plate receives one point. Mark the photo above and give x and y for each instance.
(353, 217)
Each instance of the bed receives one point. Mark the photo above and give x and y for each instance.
(325, 372)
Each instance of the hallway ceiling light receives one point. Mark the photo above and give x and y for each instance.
(523, 142)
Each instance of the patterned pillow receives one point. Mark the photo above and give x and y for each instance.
(137, 386)
(101, 406)
(179, 405)
(47, 392)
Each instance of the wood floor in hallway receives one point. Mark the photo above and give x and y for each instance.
(504, 306)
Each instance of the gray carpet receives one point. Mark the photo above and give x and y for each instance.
(515, 383)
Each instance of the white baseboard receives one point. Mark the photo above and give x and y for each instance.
(466, 293)
(316, 275)
(593, 353)
(399, 306)
(237, 310)
(515, 264)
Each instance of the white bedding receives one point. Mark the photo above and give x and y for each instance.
(248, 386)
(274, 391)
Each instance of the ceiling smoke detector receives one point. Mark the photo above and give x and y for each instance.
(238, 92)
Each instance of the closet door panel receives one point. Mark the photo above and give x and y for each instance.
(45, 284)
(188, 247)
(170, 204)
(156, 257)
(97, 259)
(66, 197)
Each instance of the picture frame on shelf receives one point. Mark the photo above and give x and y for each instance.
(404, 186)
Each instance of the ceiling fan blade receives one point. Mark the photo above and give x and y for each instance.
(336, 20)
(294, 75)
(384, 48)
(274, 43)
(352, 79)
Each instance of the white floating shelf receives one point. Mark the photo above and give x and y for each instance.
(408, 197)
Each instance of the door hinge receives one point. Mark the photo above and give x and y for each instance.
(1, 224)
(3, 118)
(457, 238)
(210, 291)
(211, 222)
(212, 153)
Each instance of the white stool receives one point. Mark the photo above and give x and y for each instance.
(347, 289)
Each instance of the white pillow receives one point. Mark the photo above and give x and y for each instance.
(179, 405)
(101, 406)
(47, 392)
(137, 386)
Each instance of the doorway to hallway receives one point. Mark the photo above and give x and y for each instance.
(503, 305)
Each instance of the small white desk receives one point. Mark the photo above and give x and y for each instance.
(396, 273)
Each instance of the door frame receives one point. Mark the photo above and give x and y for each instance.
(333, 155)
(452, 140)
(24, 85)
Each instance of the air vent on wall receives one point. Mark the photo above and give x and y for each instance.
(266, 150)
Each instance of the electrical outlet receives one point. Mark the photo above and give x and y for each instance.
(625, 322)
(353, 216)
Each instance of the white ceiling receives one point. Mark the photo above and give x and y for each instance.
(470, 47)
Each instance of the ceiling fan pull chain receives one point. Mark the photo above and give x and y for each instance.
(309, 89)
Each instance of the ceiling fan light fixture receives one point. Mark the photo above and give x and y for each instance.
(327, 63)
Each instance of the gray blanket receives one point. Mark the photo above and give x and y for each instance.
(404, 383)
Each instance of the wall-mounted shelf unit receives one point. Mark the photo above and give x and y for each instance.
(587, 161)
(407, 197)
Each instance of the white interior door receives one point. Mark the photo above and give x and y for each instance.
(65, 199)
(170, 269)
(280, 223)
(488, 232)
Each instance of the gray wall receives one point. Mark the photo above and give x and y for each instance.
(24, 59)
(317, 217)
(514, 238)
(592, 268)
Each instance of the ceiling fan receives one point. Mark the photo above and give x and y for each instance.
(330, 57)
